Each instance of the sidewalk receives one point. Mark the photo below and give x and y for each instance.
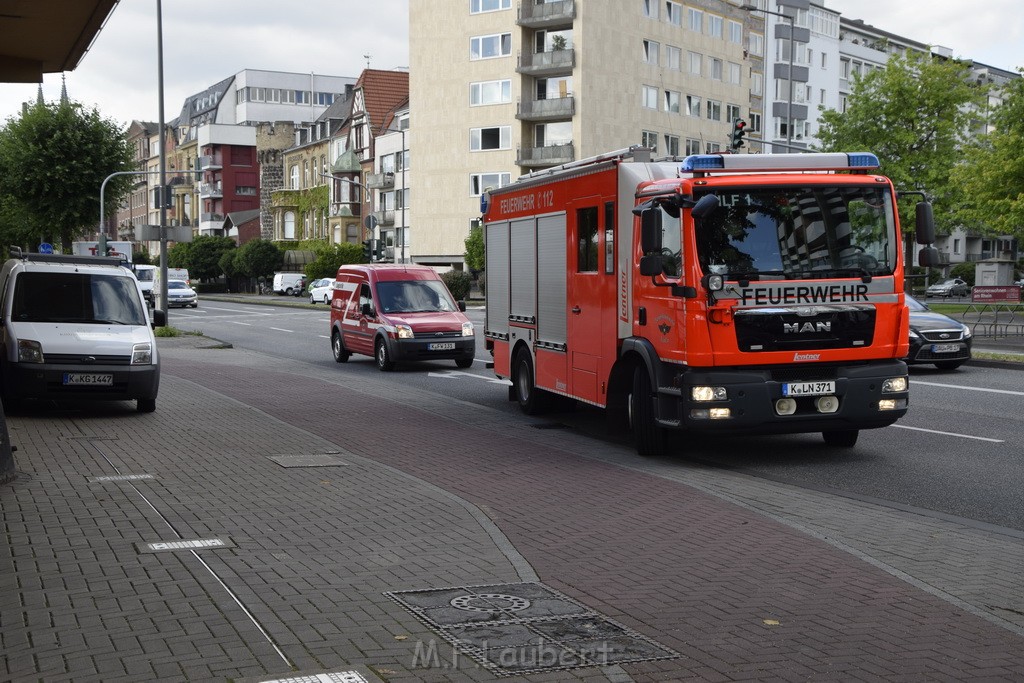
(241, 532)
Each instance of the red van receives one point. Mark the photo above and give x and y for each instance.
(398, 313)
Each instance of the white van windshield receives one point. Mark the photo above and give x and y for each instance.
(77, 298)
(414, 296)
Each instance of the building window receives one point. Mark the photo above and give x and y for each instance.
(672, 145)
(651, 50)
(692, 146)
(692, 105)
(484, 139)
(478, 6)
(554, 88)
(756, 83)
(695, 19)
(650, 8)
(295, 177)
(553, 134)
(734, 73)
(714, 110)
(755, 44)
(735, 32)
(714, 68)
(732, 112)
(674, 13)
(755, 123)
(490, 92)
(673, 58)
(489, 47)
(650, 97)
(715, 28)
(478, 182)
(713, 148)
(649, 139)
(672, 101)
(289, 225)
(301, 97)
(696, 63)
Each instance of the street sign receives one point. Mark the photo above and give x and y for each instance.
(45, 248)
(370, 222)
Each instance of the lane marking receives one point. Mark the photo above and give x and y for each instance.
(957, 386)
(959, 436)
(279, 329)
(235, 322)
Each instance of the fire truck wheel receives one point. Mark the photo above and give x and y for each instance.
(843, 438)
(532, 401)
(649, 437)
(384, 362)
(338, 349)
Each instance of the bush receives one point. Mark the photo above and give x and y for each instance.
(964, 271)
(458, 282)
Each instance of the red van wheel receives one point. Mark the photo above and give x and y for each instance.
(384, 362)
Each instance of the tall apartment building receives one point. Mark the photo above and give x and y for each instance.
(515, 87)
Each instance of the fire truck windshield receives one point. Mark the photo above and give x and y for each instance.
(799, 232)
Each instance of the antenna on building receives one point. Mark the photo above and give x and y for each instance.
(367, 58)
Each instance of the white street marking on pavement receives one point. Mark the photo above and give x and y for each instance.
(235, 322)
(278, 329)
(961, 436)
(455, 374)
(957, 386)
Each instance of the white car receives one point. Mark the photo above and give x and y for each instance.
(321, 290)
(180, 294)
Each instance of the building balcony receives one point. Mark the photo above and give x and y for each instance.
(209, 163)
(546, 15)
(385, 217)
(210, 190)
(211, 218)
(380, 181)
(547, 110)
(550, 155)
(546, 63)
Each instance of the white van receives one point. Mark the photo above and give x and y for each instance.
(146, 276)
(76, 328)
(289, 283)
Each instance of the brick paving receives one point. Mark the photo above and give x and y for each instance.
(746, 580)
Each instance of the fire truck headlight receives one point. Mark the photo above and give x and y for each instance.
(892, 403)
(710, 414)
(142, 354)
(714, 282)
(403, 332)
(467, 329)
(30, 351)
(708, 394)
(894, 385)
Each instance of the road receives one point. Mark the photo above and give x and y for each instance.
(956, 453)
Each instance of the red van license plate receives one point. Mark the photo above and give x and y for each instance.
(441, 346)
(88, 378)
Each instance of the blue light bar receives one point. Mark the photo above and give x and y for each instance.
(815, 161)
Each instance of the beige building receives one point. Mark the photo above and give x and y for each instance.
(519, 86)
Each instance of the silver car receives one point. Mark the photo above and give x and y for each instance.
(947, 288)
(180, 294)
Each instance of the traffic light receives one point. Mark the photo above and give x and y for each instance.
(367, 251)
(739, 129)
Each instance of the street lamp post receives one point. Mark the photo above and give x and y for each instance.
(792, 49)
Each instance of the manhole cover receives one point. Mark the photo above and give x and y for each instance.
(520, 628)
(312, 460)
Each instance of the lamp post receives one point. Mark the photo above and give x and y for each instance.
(792, 49)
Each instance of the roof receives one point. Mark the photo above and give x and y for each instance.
(241, 217)
(47, 36)
(382, 92)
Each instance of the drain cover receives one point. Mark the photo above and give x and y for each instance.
(198, 544)
(313, 460)
(521, 628)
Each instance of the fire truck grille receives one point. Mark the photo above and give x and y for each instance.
(804, 329)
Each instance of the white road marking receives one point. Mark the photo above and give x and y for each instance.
(279, 329)
(958, 386)
(235, 322)
(959, 436)
(455, 374)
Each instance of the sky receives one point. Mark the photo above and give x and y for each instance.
(205, 41)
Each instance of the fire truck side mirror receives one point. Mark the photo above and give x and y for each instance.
(650, 231)
(925, 223)
(705, 206)
(928, 257)
(651, 265)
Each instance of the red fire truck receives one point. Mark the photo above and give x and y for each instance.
(719, 293)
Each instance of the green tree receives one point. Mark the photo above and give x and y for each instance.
(53, 160)
(475, 249)
(204, 255)
(913, 114)
(259, 258)
(180, 256)
(992, 173)
(458, 282)
(330, 258)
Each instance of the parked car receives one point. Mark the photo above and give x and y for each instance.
(937, 339)
(180, 294)
(398, 313)
(321, 290)
(947, 288)
(290, 284)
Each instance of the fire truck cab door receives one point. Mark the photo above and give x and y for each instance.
(591, 295)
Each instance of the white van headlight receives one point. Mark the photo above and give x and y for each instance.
(142, 354)
(403, 331)
(30, 351)
(467, 329)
